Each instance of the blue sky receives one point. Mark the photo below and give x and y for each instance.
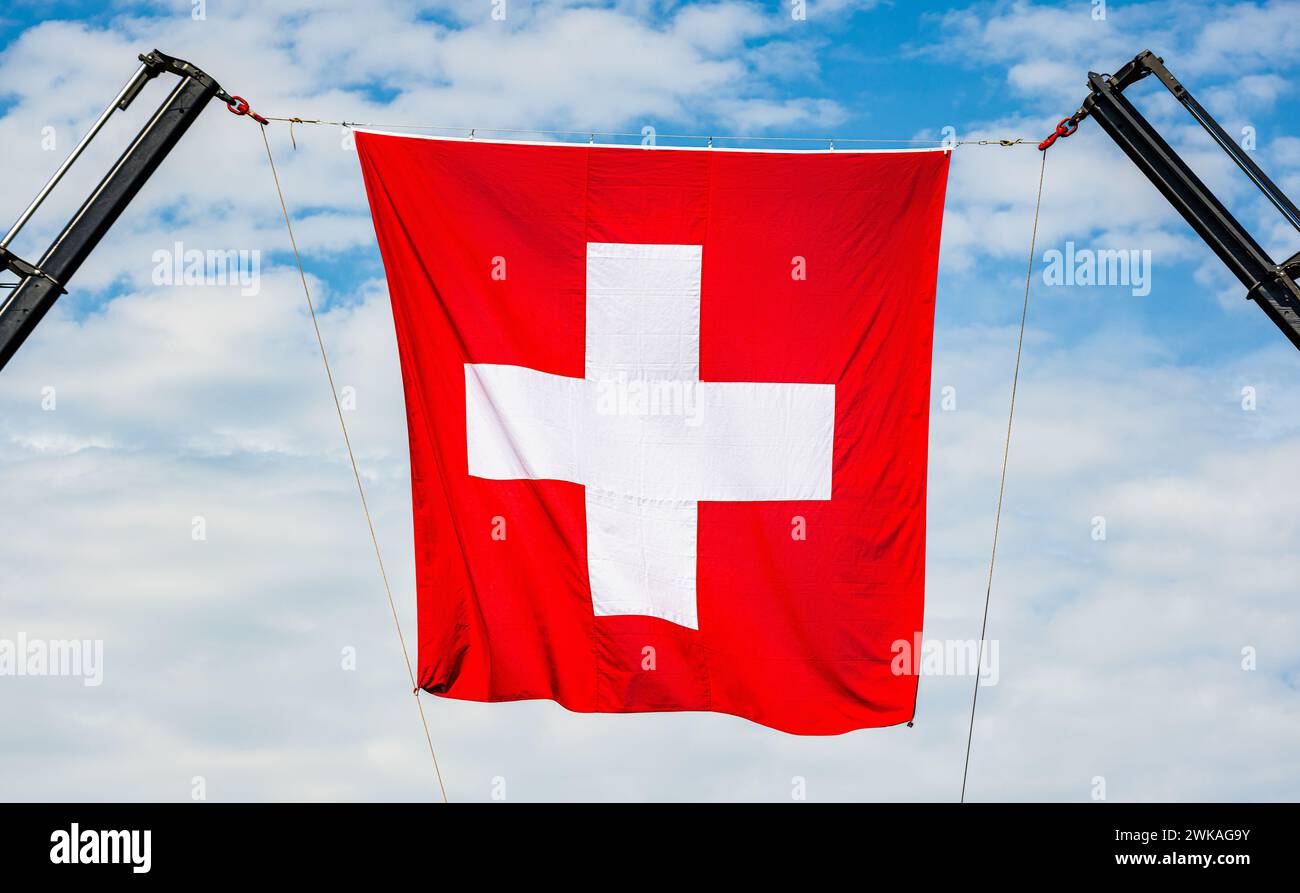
(1121, 657)
(892, 71)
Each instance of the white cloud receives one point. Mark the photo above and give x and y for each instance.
(222, 657)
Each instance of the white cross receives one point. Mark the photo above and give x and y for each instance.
(646, 463)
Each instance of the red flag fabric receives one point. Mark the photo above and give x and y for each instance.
(668, 414)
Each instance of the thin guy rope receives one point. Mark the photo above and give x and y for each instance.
(831, 140)
(1002, 484)
(361, 490)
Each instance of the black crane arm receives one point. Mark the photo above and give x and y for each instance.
(1271, 285)
(40, 284)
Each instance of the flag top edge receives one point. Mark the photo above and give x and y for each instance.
(656, 148)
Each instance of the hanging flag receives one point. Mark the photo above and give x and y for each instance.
(668, 414)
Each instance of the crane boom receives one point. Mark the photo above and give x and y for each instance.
(1271, 285)
(40, 284)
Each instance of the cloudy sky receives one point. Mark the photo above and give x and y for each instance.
(139, 407)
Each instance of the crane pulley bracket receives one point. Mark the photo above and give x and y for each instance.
(22, 269)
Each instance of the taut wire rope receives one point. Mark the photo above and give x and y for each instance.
(1002, 483)
(472, 131)
(361, 490)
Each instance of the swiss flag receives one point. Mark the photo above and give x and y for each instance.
(669, 413)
